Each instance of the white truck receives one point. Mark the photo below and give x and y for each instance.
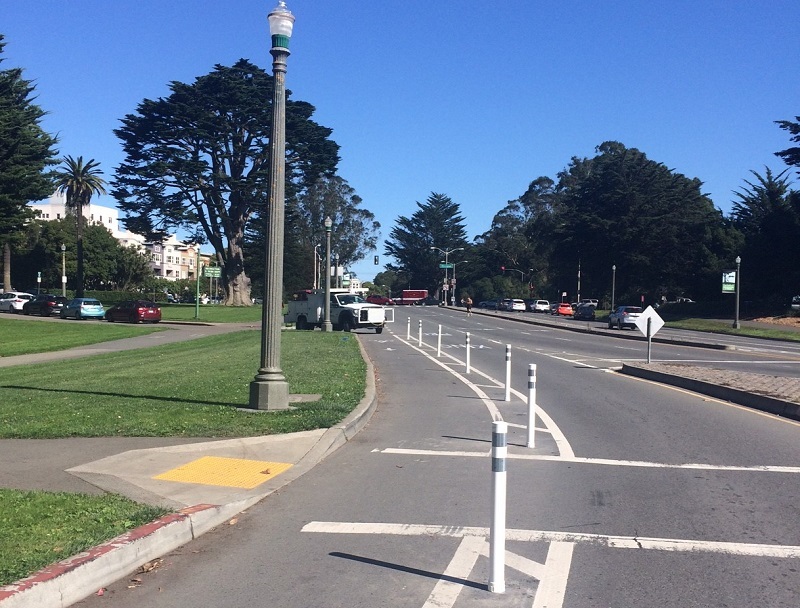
(349, 311)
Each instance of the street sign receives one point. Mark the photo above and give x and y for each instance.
(212, 272)
(443, 265)
(729, 281)
(656, 322)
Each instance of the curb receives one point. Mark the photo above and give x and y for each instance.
(73, 579)
(771, 405)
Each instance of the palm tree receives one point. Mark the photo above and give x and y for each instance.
(79, 182)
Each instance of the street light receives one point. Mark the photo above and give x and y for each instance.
(326, 324)
(446, 253)
(63, 270)
(613, 284)
(336, 270)
(453, 294)
(738, 285)
(269, 390)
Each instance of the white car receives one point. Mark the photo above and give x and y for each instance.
(624, 316)
(511, 305)
(541, 306)
(13, 301)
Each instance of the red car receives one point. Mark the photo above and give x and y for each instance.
(134, 311)
(565, 309)
(382, 300)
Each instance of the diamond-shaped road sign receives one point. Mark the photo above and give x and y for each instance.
(656, 322)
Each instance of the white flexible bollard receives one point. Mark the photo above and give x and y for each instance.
(531, 405)
(508, 372)
(439, 343)
(497, 531)
(420, 332)
(467, 370)
(408, 329)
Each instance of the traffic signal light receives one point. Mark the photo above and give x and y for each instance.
(376, 260)
(503, 268)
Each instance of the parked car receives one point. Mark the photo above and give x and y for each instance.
(795, 303)
(591, 301)
(83, 308)
(564, 309)
(540, 306)
(382, 300)
(489, 304)
(134, 311)
(45, 305)
(584, 312)
(512, 305)
(624, 316)
(13, 301)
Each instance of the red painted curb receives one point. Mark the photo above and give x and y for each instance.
(60, 568)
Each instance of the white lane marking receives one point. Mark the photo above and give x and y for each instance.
(598, 461)
(553, 584)
(605, 540)
(445, 592)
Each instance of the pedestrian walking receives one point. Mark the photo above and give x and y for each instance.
(468, 304)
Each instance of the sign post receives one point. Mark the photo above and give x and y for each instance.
(649, 322)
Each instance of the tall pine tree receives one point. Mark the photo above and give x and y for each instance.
(25, 153)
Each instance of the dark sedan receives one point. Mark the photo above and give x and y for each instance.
(44, 305)
(134, 311)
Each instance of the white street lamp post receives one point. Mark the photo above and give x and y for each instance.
(326, 324)
(269, 390)
(736, 324)
(63, 270)
(613, 284)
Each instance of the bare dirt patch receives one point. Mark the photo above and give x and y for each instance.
(785, 321)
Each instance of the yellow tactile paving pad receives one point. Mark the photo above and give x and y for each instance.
(228, 472)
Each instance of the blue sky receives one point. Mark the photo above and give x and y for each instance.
(473, 99)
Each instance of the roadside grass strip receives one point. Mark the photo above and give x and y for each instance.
(41, 528)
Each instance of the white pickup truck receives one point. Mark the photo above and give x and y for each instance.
(349, 311)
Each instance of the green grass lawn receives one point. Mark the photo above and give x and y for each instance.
(211, 313)
(41, 528)
(186, 389)
(24, 337)
(714, 326)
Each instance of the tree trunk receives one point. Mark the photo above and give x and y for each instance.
(237, 283)
(79, 239)
(7, 266)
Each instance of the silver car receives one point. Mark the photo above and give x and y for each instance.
(624, 316)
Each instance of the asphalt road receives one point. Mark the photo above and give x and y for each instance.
(635, 494)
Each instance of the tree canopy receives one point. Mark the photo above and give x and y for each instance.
(79, 181)
(791, 156)
(199, 160)
(436, 223)
(109, 265)
(618, 208)
(25, 153)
